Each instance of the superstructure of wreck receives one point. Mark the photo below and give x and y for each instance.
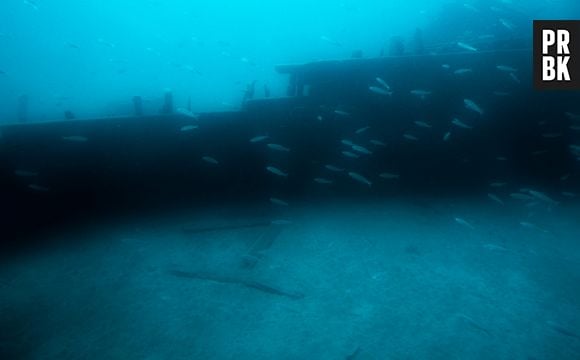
(146, 162)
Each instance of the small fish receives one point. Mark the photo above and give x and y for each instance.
(31, 4)
(281, 222)
(558, 328)
(38, 188)
(276, 171)
(75, 138)
(383, 83)
(411, 137)
(471, 105)
(421, 93)
(278, 202)
(187, 113)
(362, 130)
(514, 77)
(447, 136)
(497, 184)
(322, 181)
(446, 66)
(378, 143)
(333, 168)
(506, 68)
(72, 46)
(463, 222)
(210, 160)
(531, 226)
(347, 142)
(543, 197)
(350, 155)
(552, 135)
(379, 90)
(568, 194)
(330, 41)
(342, 113)
(462, 71)
(507, 24)
(422, 124)
(360, 178)
(188, 128)
(466, 46)
(319, 118)
(460, 124)
(277, 147)
(389, 176)
(565, 177)
(575, 127)
(361, 149)
(522, 197)
(494, 247)
(572, 116)
(496, 199)
(501, 158)
(259, 138)
(25, 173)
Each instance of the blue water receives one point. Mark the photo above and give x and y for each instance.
(395, 190)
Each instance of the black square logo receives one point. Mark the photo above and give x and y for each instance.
(557, 54)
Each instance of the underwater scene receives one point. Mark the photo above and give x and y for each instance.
(347, 179)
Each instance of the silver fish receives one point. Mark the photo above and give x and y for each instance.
(188, 128)
(506, 68)
(342, 113)
(347, 142)
(322, 181)
(281, 222)
(210, 160)
(38, 188)
(379, 90)
(361, 149)
(383, 83)
(278, 202)
(378, 143)
(25, 173)
(333, 168)
(447, 136)
(463, 222)
(466, 46)
(277, 147)
(460, 124)
(496, 199)
(389, 176)
(360, 178)
(362, 130)
(497, 184)
(410, 137)
(350, 155)
(259, 138)
(276, 171)
(75, 138)
(462, 71)
(187, 113)
(471, 105)
(520, 196)
(421, 93)
(422, 124)
(542, 197)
